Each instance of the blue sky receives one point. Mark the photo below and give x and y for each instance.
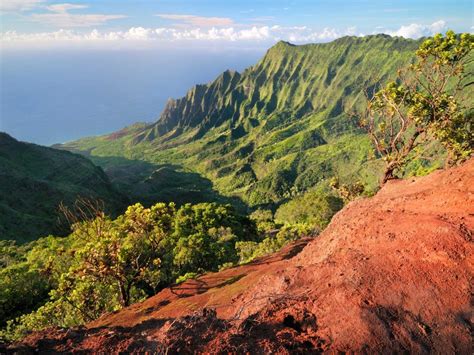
(176, 22)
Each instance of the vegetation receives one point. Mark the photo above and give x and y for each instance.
(249, 250)
(347, 192)
(305, 215)
(34, 180)
(315, 208)
(273, 140)
(106, 264)
(425, 103)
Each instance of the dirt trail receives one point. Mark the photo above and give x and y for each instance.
(391, 273)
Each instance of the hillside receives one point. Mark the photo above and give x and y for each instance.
(34, 180)
(391, 273)
(273, 132)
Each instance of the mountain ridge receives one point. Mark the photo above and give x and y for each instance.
(240, 87)
(275, 130)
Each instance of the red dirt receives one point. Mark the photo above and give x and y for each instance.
(391, 273)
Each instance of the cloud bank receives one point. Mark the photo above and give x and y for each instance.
(256, 34)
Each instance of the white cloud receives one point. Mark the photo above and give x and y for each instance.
(260, 35)
(73, 20)
(199, 21)
(59, 16)
(18, 5)
(257, 34)
(415, 30)
(254, 33)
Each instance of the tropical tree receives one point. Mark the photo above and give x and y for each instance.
(426, 101)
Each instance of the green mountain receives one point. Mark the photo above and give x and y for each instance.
(34, 180)
(276, 131)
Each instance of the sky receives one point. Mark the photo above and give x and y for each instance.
(242, 23)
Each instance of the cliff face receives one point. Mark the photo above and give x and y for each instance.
(203, 105)
(391, 273)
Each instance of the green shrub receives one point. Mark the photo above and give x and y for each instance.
(249, 250)
(186, 276)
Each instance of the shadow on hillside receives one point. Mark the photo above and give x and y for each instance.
(149, 183)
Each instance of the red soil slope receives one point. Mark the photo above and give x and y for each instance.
(391, 273)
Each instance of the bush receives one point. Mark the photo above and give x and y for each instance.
(347, 192)
(264, 220)
(187, 276)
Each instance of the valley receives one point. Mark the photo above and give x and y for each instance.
(274, 132)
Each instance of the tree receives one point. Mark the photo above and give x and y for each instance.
(444, 77)
(424, 102)
(205, 236)
(125, 253)
(108, 264)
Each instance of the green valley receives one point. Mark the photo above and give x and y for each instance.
(276, 131)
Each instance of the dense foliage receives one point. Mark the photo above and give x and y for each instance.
(106, 264)
(315, 207)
